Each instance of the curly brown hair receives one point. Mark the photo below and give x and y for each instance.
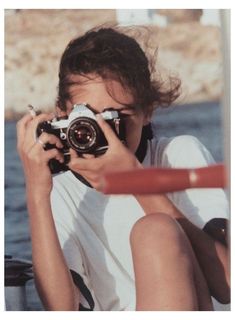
(113, 55)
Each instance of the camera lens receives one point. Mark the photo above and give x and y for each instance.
(82, 134)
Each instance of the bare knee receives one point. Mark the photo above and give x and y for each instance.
(158, 225)
(158, 232)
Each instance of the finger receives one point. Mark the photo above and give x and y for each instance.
(39, 155)
(30, 134)
(88, 156)
(45, 138)
(53, 154)
(73, 154)
(40, 118)
(109, 134)
(21, 127)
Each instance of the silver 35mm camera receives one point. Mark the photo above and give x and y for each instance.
(81, 132)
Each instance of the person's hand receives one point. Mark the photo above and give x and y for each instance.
(116, 158)
(33, 156)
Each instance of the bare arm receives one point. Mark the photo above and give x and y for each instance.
(53, 278)
(212, 255)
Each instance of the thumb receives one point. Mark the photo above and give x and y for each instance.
(108, 132)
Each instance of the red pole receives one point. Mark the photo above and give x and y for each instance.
(162, 180)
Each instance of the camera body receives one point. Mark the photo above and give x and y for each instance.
(81, 132)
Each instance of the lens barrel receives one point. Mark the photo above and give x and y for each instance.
(83, 134)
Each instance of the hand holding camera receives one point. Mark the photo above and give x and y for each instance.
(34, 158)
(81, 132)
(117, 157)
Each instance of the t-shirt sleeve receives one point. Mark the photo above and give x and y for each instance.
(198, 205)
(69, 242)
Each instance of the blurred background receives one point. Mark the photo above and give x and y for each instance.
(189, 46)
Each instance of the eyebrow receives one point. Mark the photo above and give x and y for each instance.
(132, 110)
(126, 108)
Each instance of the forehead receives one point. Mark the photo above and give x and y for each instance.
(98, 93)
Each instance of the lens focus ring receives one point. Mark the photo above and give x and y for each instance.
(82, 134)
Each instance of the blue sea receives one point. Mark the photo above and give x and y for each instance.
(201, 120)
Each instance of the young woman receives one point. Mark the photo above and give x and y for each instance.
(97, 252)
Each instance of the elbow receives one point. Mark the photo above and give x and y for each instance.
(223, 299)
(223, 296)
(52, 301)
(61, 306)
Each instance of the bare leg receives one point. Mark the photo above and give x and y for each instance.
(166, 271)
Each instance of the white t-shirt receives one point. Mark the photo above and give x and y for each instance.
(94, 228)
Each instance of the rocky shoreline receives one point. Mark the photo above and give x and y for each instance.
(188, 50)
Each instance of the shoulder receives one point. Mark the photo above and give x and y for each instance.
(184, 144)
(184, 151)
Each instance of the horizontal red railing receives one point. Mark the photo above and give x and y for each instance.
(162, 180)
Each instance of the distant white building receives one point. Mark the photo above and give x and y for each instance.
(140, 16)
(211, 17)
(133, 16)
(151, 16)
(9, 12)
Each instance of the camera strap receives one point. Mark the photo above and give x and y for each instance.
(82, 179)
(147, 134)
(78, 281)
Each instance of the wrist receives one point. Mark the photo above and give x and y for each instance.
(37, 196)
(37, 190)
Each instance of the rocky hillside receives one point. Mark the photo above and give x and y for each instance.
(35, 40)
